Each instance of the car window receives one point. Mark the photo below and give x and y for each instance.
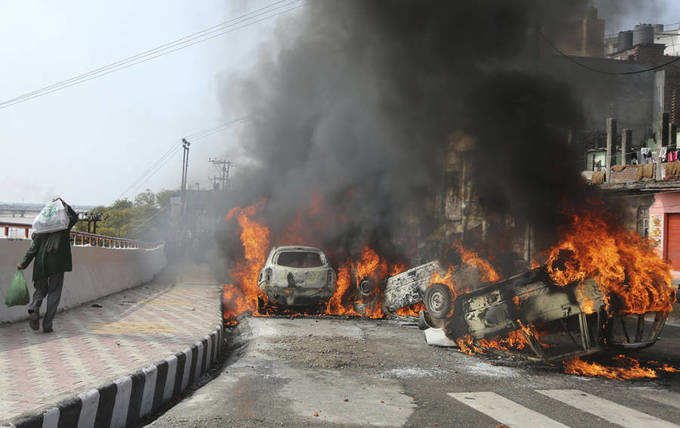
(299, 259)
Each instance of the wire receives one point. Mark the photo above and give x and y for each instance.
(210, 131)
(173, 150)
(610, 73)
(146, 175)
(270, 11)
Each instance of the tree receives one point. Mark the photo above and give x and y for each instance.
(122, 204)
(146, 199)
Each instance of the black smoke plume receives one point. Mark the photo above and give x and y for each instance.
(359, 101)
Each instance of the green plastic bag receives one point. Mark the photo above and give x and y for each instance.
(18, 292)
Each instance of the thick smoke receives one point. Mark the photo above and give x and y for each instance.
(361, 103)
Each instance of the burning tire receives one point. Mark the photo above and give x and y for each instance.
(438, 301)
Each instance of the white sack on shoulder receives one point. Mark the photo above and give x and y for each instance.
(52, 218)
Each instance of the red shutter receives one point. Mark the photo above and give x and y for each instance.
(673, 239)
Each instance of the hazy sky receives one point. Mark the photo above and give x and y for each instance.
(89, 142)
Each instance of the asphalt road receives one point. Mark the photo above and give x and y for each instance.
(304, 372)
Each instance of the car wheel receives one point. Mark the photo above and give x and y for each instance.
(438, 300)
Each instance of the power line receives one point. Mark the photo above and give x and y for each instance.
(173, 150)
(610, 73)
(152, 170)
(270, 11)
(219, 128)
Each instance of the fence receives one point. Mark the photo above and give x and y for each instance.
(79, 238)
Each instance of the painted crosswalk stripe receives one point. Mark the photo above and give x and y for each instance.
(664, 397)
(503, 410)
(605, 409)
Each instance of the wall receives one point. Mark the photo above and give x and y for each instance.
(664, 203)
(97, 272)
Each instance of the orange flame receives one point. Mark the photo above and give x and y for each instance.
(631, 370)
(470, 258)
(411, 311)
(625, 266)
(243, 294)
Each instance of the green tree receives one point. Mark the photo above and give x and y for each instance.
(122, 204)
(145, 199)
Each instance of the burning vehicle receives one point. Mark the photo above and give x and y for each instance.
(296, 276)
(527, 315)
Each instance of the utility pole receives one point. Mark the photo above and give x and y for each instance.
(185, 168)
(223, 166)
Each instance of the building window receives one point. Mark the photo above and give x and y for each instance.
(643, 221)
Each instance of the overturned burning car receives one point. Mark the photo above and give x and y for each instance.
(527, 315)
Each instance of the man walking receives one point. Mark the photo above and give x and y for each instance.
(52, 254)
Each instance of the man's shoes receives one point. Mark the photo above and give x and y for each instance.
(48, 330)
(34, 320)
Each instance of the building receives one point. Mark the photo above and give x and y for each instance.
(647, 194)
(581, 35)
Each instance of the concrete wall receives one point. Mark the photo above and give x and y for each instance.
(97, 272)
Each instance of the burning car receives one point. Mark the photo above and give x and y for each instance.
(296, 276)
(527, 313)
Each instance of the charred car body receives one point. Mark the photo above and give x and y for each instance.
(555, 322)
(296, 276)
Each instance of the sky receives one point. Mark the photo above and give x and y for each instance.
(625, 14)
(90, 142)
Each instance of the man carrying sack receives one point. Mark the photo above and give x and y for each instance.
(51, 249)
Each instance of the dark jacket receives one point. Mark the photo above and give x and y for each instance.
(48, 263)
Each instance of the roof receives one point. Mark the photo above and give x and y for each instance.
(297, 248)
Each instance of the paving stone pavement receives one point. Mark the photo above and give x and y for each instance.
(93, 345)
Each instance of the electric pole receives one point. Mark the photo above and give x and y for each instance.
(185, 168)
(223, 167)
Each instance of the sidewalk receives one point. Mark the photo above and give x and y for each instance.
(105, 340)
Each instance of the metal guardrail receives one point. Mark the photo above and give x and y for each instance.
(83, 238)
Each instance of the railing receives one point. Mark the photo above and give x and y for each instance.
(81, 238)
(84, 238)
(6, 226)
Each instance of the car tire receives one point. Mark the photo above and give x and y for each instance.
(438, 301)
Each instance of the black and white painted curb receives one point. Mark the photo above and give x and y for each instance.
(125, 401)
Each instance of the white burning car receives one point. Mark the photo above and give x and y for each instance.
(296, 276)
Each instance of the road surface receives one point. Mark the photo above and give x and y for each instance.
(306, 372)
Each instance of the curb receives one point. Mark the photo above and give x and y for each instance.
(125, 401)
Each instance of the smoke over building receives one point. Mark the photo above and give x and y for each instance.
(363, 103)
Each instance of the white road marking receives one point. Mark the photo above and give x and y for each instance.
(503, 410)
(51, 418)
(664, 397)
(187, 369)
(605, 409)
(88, 410)
(170, 378)
(150, 377)
(122, 402)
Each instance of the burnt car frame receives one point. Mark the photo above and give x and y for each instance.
(296, 276)
(573, 320)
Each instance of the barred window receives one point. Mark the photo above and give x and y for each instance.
(643, 221)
